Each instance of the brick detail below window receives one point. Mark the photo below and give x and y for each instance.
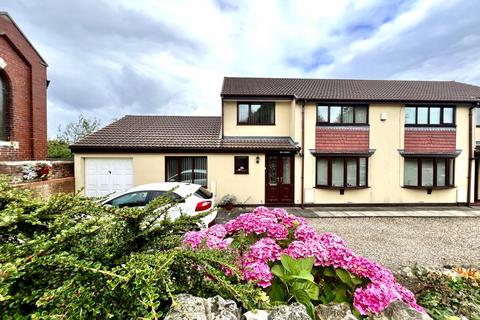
(430, 140)
(332, 139)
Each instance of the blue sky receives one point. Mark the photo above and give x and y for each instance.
(111, 58)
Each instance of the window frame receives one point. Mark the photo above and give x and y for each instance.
(179, 167)
(449, 185)
(429, 106)
(250, 117)
(6, 105)
(342, 105)
(345, 172)
(236, 159)
(477, 122)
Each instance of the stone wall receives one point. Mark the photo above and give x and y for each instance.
(44, 189)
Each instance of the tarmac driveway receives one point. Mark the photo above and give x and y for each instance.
(417, 237)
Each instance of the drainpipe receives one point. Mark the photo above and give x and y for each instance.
(470, 152)
(222, 118)
(302, 204)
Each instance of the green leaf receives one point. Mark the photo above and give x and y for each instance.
(303, 275)
(340, 291)
(278, 270)
(329, 272)
(309, 287)
(294, 266)
(276, 292)
(302, 297)
(344, 276)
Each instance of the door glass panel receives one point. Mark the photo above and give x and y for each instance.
(410, 115)
(272, 171)
(335, 114)
(363, 171)
(411, 172)
(434, 115)
(322, 172)
(427, 172)
(347, 114)
(172, 170)
(286, 170)
(422, 115)
(441, 172)
(351, 172)
(337, 172)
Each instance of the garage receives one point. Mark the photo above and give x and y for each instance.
(107, 175)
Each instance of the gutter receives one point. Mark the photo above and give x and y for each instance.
(302, 154)
(470, 152)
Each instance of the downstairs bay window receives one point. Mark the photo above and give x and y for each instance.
(429, 173)
(342, 172)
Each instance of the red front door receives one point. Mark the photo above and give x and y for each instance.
(279, 179)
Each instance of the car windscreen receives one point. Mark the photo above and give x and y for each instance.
(203, 193)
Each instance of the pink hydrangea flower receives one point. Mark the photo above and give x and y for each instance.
(258, 271)
(305, 232)
(277, 232)
(374, 298)
(193, 239)
(265, 250)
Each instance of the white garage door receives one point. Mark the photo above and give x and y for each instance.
(108, 175)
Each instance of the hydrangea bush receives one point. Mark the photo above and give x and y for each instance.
(265, 241)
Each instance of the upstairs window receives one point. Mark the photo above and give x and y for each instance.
(429, 172)
(344, 114)
(478, 116)
(429, 115)
(342, 172)
(256, 113)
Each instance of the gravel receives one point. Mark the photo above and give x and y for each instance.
(396, 242)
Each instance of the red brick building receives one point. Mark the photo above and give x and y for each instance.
(23, 96)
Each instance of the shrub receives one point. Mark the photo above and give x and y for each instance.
(70, 257)
(59, 149)
(445, 294)
(284, 254)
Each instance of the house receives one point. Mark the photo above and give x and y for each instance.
(302, 142)
(23, 96)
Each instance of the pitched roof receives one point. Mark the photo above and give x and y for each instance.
(174, 133)
(352, 90)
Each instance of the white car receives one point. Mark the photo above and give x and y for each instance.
(192, 199)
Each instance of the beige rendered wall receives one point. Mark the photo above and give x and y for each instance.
(282, 127)
(385, 174)
(150, 168)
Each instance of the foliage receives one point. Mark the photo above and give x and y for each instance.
(446, 294)
(40, 170)
(284, 254)
(76, 130)
(228, 199)
(59, 149)
(71, 257)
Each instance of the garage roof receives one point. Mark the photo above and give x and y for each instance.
(174, 133)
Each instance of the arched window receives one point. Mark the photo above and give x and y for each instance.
(4, 100)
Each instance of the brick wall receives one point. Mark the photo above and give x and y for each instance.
(26, 75)
(44, 189)
(60, 169)
(430, 139)
(342, 139)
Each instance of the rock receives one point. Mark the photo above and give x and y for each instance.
(188, 307)
(295, 311)
(334, 311)
(256, 315)
(398, 310)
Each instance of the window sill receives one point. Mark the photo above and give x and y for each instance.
(427, 188)
(241, 172)
(255, 124)
(409, 125)
(340, 188)
(327, 124)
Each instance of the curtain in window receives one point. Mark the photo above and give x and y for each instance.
(243, 113)
(172, 170)
(335, 114)
(200, 171)
(347, 114)
(322, 114)
(187, 170)
(411, 172)
(361, 114)
(322, 172)
(363, 172)
(351, 172)
(451, 171)
(427, 172)
(448, 115)
(337, 172)
(410, 115)
(441, 173)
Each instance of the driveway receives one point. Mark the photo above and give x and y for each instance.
(414, 236)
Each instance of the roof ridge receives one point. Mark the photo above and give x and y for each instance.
(330, 79)
(166, 116)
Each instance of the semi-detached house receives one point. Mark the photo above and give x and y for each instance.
(302, 141)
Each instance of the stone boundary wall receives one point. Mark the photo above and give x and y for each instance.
(45, 188)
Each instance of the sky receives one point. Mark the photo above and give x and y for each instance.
(111, 58)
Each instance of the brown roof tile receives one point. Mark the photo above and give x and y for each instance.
(352, 90)
(175, 133)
